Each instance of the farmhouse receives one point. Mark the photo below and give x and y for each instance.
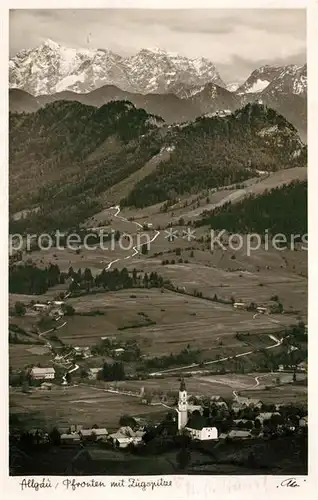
(124, 436)
(93, 433)
(302, 367)
(119, 351)
(93, 373)
(56, 313)
(76, 427)
(261, 310)
(42, 373)
(243, 402)
(41, 307)
(71, 438)
(266, 416)
(239, 305)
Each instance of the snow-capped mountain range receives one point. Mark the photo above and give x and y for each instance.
(288, 79)
(170, 85)
(51, 68)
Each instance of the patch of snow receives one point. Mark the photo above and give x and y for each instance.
(233, 86)
(258, 86)
(68, 81)
(195, 91)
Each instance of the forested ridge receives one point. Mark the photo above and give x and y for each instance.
(64, 157)
(60, 162)
(279, 210)
(214, 152)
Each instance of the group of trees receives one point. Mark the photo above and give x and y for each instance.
(186, 356)
(112, 371)
(106, 347)
(279, 210)
(114, 279)
(28, 279)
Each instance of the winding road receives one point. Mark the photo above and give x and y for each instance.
(169, 370)
(207, 363)
(135, 248)
(109, 265)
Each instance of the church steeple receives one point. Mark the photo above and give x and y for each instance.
(182, 405)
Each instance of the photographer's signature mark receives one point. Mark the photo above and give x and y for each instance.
(290, 482)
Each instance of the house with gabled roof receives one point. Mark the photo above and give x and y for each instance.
(38, 373)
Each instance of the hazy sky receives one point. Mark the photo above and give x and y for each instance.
(236, 41)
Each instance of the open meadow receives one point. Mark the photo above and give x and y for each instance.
(81, 405)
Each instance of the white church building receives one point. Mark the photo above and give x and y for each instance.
(197, 428)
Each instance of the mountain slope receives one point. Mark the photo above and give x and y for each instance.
(68, 157)
(283, 88)
(212, 152)
(51, 68)
(22, 102)
(264, 212)
(64, 156)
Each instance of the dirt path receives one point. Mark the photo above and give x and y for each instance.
(207, 363)
(135, 248)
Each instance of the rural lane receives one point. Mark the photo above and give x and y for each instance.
(207, 363)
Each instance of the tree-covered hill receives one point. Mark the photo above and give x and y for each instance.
(64, 155)
(213, 152)
(279, 210)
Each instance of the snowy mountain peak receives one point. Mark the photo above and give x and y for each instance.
(51, 68)
(232, 86)
(291, 78)
(50, 44)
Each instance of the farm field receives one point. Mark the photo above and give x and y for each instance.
(81, 405)
(291, 393)
(224, 385)
(180, 320)
(90, 404)
(21, 355)
(96, 260)
(243, 282)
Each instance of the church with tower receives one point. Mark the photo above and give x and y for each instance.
(182, 406)
(197, 428)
